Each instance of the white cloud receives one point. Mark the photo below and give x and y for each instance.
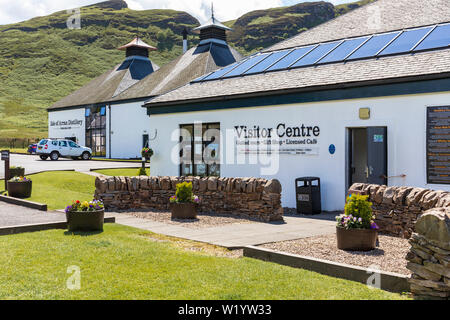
(14, 11)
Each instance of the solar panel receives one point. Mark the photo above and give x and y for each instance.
(373, 46)
(221, 72)
(269, 61)
(341, 52)
(406, 41)
(438, 38)
(291, 58)
(247, 65)
(316, 54)
(350, 49)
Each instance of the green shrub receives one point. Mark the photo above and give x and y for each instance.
(360, 208)
(142, 172)
(184, 192)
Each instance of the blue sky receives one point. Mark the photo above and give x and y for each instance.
(15, 11)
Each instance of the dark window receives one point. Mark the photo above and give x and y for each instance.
(145, 141)
(96, 130)
(200, 150)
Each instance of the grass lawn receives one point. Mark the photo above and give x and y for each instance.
(59, 189)
(121, 172)
(126, 263)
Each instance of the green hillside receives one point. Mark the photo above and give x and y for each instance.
(41, 60)
(262, 28)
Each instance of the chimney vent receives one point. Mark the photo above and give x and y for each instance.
(185, 40)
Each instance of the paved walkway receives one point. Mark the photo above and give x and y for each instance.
(12, 216)
(238, 235)
(34, 164)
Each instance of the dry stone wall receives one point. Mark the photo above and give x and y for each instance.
(247, 197)
(398, 208)
(429, 257)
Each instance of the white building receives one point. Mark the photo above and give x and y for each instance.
(362, 98)
(107, 115)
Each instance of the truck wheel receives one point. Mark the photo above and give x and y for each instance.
(54, 156)
(86, 156)
(43, 157)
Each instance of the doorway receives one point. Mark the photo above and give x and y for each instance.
(368, 155)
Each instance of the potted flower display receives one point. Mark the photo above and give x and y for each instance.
(184, 203)
(147, 153)
(356, 229)
(20, 187)
(16, 172)
(85, 216)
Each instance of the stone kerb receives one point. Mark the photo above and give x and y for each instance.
(248, 197)
(398, 208)
(429, 256)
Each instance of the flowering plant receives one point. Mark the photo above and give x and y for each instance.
(147, 153)
(184, 194)
(20, 179)
(78, 206)
(358, 214)
(174, 199)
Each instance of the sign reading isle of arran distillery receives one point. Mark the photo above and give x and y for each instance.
(438, 145)
(67, 124)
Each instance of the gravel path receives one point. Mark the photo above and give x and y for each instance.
(204, 220)
(390, 256)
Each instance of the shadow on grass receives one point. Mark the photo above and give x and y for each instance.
(82, 233)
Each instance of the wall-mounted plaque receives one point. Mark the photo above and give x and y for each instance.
(438, 145)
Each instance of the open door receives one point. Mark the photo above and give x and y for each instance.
(377, 155)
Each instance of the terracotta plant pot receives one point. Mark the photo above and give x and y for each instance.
(184, 210)
(356, 239)
(21, 190)
(85, 221)
(16, 172)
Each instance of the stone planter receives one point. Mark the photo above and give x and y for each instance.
(85, 221)
(356, 239)
(21, 190)
(16, 172)
(184, 210)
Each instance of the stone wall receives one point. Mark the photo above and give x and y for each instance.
(247, 197)
(397, 208)
(429, 257)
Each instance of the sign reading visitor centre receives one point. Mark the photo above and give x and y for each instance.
(438, 145)
(282, 139)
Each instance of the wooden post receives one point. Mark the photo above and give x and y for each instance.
(5, 157)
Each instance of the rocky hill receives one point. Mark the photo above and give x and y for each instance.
(41, 60)
(263, 28)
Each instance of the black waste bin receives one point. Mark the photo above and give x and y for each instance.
(309, 200)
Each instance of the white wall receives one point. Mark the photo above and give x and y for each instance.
(129, 122)
(67, 124)
(405, 117)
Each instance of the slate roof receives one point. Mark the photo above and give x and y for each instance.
(212, 23)
(194, 63)
(394, 15)
(103, 88)
(139, 43)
